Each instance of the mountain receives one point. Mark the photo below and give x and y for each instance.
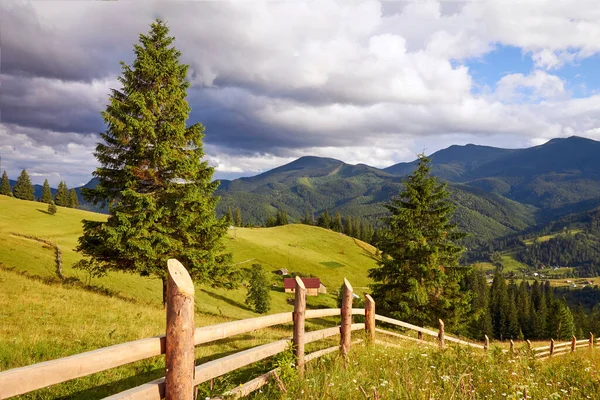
(555, 174)
(455, 161)
(316, 184)
(497, 191)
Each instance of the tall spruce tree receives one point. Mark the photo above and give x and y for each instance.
(237, 219)
(61, 197)
(336, 224)
(23, 188)
(46, 193)
(73, 199)
(418, 277)
(5, 185)
(159, 191)
(324, 220)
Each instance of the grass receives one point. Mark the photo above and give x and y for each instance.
(49, 320)
(42, 318)
(414, 372)
(299, 248)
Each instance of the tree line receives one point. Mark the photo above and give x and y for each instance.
(24, 190)
(507, 310)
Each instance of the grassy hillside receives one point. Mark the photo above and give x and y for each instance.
(304, 249)
(44, 318)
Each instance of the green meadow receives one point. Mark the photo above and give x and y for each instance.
(44, 318)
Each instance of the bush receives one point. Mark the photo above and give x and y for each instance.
(52, 208)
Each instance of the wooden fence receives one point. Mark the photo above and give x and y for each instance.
(182, 376)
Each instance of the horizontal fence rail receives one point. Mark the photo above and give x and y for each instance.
(180, 381)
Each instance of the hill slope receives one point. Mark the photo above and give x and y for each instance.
(303, 249)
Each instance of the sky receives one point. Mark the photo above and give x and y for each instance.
(373, 82)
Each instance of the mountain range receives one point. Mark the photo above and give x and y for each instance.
(497, 191)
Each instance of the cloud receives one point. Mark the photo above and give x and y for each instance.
(536, 86)
(365, 81)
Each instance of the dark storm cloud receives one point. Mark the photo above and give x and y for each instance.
(51, 104)
(32, 48)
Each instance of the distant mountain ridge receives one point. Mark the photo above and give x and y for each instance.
(497, 191)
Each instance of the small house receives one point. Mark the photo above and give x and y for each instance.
(313, 286)
(282, 271)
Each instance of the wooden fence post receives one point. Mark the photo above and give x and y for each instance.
(420, 335)
(573, 343)
(512, 346)
(486, 344)
(298, 318)
(179, 342)
(441, 334)
(551, 346)
(591, 340)
(370, 318)
(346, 313)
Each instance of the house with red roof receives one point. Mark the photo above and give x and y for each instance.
(313, 286)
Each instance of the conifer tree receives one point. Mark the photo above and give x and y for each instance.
(5, 185)
(356, 229)
(349, 227)
(73, 199)
(46, 193)
(229, 216)
(481, 320)
(566, 325)
(51, 208)
(61, 197)
(23, 188)
(281, 218)
(159, 191)
(237, 221)
(259, 291)
(336, 224)
(418, 277)
(307, 218)
(324, 220)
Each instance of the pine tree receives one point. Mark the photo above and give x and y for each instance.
(499, 305)
(566, 325)
(159, 192)
(23, 188)
(46, 193)
(259, 292)
(356, 229)
(349, 227)
(61, 197)
(281, 218)
(5, 186)
(336, 224)
(307, 219)
(229, 216)
(73, 199)
(418, 278)
(481, 320)
(237, 219)
(324, 220)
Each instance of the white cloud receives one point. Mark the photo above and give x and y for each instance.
(536, 86)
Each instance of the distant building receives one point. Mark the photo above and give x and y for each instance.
(313, 286)
(282, 271)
